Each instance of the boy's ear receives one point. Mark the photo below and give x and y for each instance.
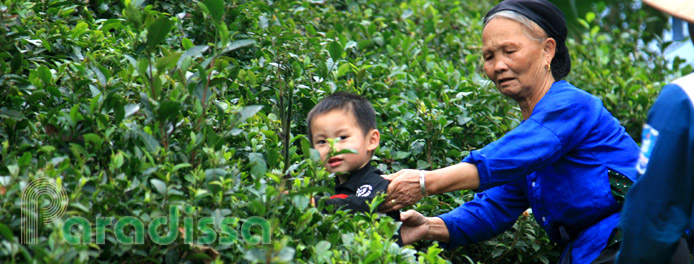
(373, 138)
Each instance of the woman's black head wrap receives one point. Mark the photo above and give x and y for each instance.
(551, 20)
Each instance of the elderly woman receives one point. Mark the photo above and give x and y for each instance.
(569, 160)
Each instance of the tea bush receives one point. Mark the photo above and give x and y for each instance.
(136, 106)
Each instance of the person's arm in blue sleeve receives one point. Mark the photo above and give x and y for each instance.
(557, 125)
(538, 141)
(488, 215)
(659, 205)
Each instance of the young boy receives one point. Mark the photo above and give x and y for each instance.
(352, 119)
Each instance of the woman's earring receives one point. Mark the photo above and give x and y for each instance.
(549, 68)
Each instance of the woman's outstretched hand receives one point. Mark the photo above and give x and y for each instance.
(417, 227)
(414, 227)
(403, 190)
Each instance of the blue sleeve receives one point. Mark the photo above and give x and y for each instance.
(659, 205)
(547, 135)
(489, 214)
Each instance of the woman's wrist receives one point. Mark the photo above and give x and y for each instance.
(430, 182)
(422, 183)
(437, 230)
(461, 176)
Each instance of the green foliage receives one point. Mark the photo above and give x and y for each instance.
(628, 77)
(137, 105)
(615, 13)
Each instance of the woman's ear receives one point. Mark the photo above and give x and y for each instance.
(549, 46)
(373, 138)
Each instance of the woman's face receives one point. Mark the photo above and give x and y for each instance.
(514, 61)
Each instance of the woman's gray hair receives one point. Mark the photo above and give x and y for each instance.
(532, 29)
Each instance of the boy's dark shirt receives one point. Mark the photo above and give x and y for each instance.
(362, 186)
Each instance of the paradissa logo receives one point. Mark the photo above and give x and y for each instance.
(205, 226)
(33, 210)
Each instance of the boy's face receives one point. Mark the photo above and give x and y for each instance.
(342, 124)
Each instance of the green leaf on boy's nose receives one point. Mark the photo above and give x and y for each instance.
(315, 155)
(346, 151)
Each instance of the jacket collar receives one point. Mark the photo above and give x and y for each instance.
(355, 177)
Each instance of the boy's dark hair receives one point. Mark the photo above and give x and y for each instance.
(361, 108)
